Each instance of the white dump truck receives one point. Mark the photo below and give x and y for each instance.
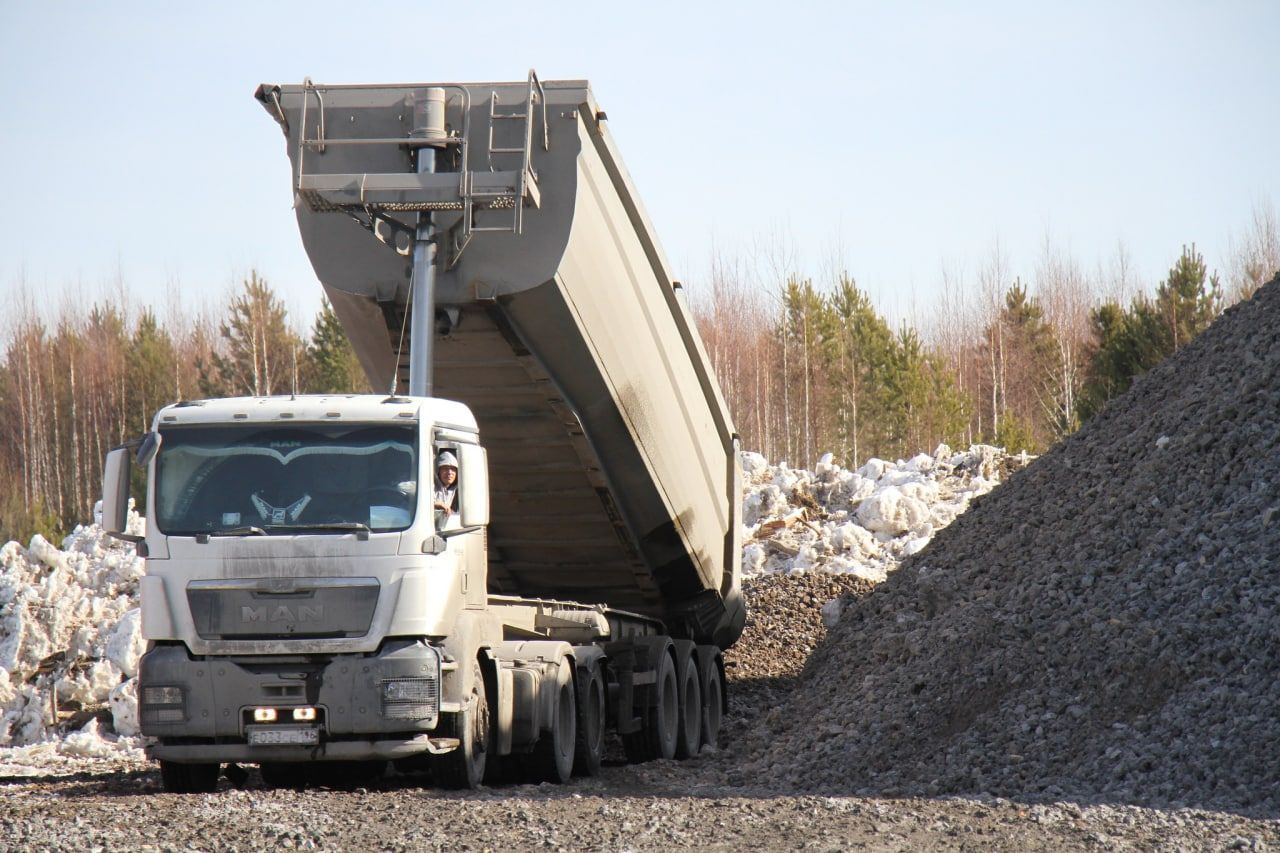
(309, 606)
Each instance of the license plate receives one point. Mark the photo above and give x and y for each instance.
(303, 735)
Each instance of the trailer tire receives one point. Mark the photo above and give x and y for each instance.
(463, 767)
(589, 749)
(658, 732)
(189, 778)
(689, 732)
(712, 702)
(553, 754)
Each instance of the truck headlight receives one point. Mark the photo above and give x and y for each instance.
(410, 698)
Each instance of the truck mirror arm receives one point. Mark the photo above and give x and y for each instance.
(447, 534)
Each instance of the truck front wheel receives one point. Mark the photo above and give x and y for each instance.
(189, 778)
(463, 767)
(592, 711)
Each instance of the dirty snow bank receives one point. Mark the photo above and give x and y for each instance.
(861, 522)
(70, 640)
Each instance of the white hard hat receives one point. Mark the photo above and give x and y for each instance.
(446, 457)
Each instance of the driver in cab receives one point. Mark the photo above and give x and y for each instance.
(446, 498)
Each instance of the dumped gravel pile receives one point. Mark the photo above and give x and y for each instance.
(1105, 627)
(785, 623)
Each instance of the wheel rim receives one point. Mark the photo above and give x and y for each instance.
(593, 717)
(476, 732)
(712, 711)
(670, 712)
(565, 731)
(691, 703)
(479, 726)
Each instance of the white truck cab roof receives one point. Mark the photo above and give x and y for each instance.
(317, 408)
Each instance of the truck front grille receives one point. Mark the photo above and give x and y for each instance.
(282, 608)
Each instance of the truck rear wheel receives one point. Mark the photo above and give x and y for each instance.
(189, 778)
(589, 749)
(658, 732)
(712, 700)
(552, 756)
(464, 766)
(689, 734)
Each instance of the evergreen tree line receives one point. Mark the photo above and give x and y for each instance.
(809, 368)
(806, 366)
(76, 385)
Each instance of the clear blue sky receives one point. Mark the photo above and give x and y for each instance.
(901, 137)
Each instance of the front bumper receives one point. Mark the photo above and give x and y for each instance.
(354, 716)
(340, 750)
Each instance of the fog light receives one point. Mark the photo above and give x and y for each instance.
(162, 696)
(264, 715)
(168, 715)
(305, 715)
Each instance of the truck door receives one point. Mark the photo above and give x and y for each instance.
(466, 523)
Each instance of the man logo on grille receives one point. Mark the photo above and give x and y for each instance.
(281, 613)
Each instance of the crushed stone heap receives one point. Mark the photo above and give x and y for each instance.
(1103, 627)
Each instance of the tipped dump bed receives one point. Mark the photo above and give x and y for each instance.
(613, 463)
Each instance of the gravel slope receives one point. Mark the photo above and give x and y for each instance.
(1105, 627)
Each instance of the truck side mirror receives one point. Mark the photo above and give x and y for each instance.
(115, 491)
(473, 487)
(147, 448)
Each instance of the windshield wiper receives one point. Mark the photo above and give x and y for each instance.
(359, 528)
(247, 530)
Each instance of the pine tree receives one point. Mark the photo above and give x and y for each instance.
(861, 346)
(802, 339)
(259, 351)
(1187, 300)
(1129, 343)
(151, 384)
(922, 405)
(331, 363)
(1030, 353)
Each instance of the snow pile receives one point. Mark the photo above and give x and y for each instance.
(861, 522)
(70, 641)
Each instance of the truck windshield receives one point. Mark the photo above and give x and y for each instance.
(286, 479)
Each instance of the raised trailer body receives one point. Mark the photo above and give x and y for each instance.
(613, 457)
